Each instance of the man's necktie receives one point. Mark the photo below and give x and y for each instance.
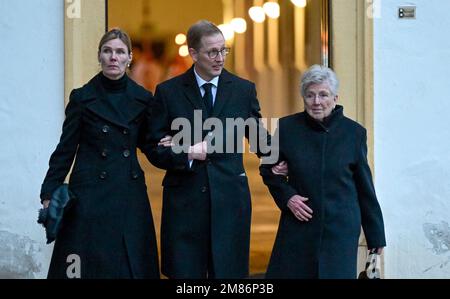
(208, 98)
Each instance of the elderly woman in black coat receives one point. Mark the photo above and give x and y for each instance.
(328, 193)
(109, 230)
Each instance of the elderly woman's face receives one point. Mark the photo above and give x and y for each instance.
(114, 59)
(319, 101)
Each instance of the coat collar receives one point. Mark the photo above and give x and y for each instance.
(329, 122)
(192, 91)
(95, 98)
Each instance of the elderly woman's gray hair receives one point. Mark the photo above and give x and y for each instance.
(318, 74)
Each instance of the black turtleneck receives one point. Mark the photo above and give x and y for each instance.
(116, 95)
(114, 86)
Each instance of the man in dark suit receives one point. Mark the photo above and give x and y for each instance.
(206, 214)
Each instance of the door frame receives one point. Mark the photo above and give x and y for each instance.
(342, 21)
(352, 60)
(85, 22)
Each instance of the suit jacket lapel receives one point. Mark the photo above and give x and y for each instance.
(192, 91)
(224, 92)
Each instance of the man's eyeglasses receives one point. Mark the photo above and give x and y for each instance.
(214, 52)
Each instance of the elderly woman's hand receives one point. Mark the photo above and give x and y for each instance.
(281, 168)
(298, 207)
(166, 141)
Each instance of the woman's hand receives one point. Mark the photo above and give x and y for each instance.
(166, 141)
(281, 168)
(45, 203)
(298, 207)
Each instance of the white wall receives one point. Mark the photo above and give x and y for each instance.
(31, 114)
(412, 139)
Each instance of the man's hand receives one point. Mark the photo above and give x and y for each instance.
(198, 151)
(281, 168)
(166, 141)
(45, 203)
(298, 207)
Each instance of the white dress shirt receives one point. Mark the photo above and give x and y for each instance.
(215, 82)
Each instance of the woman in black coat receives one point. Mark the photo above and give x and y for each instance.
(110, 227)
(328, 193)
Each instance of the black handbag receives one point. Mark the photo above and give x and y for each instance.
(372, 269)
(52, 216)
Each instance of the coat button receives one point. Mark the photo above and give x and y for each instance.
(134, 175)
(126, 153)
(105, 129)
(104, 153)
(125, 132)
(204, 189)
(208, 161)
(103, 175)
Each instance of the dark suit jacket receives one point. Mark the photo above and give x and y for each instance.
(328, 165)
(208, 204)
(110, 225)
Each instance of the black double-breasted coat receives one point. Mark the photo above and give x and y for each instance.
(206, 207)
(110, 226)
(328, 165)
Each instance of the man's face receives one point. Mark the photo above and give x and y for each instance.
(207, 67)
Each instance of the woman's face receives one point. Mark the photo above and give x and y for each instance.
(114, 59)
(319, 101)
